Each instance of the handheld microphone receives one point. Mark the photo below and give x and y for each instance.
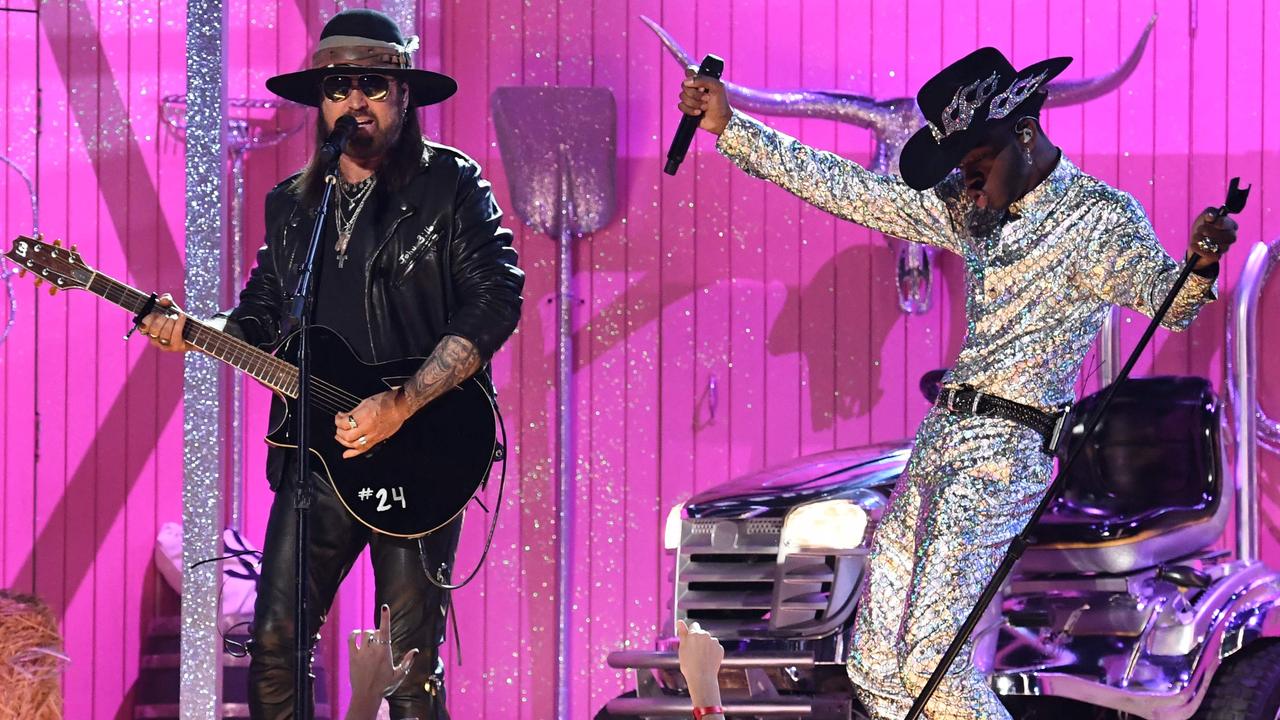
(343, 129)
(712, 66)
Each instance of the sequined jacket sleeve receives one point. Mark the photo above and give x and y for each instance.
(1126, 265)
(837, 185)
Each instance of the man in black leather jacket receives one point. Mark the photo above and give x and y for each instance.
(415, 262)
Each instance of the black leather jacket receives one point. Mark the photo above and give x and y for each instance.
(410, 303)
(417, 292)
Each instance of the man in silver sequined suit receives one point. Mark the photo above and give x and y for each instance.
(1047, 250)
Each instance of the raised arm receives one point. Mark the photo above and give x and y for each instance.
(838, 185)
(1126, 265)
(822, 179)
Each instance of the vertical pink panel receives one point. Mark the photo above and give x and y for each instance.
(19, 356)
(165, 270)
(713, 290)
(648, 95)
(140, 516)
(464, 119)
(101, 587)
(749, 328)
(857, 249)
(1241, 157)
(813, 298)
(782, 255)
(1171, 209)
(603, 263)
(490, 677)
(1244, 151)
(1267, 183)
(538, 528)
(45, 557)
(888, 357)
(592, 483)
(1269, 122)
(431, 29)
(1135, 141)
(674, 238)
(1209, 170)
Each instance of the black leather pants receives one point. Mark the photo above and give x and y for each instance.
(417, 607)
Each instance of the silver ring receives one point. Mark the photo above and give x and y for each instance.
(1208, 245)
(351, 421)
(362, 440)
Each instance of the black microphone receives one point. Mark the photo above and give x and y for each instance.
(712, 66)
(343, 129)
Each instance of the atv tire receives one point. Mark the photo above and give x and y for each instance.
(1247, 686)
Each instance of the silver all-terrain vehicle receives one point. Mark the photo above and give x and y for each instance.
(1125, 606)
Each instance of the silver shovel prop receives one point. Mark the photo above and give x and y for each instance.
(559, 149)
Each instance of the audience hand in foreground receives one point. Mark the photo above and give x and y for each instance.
(700, 656)
(374, 672)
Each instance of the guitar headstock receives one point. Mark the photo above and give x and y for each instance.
(62, 268)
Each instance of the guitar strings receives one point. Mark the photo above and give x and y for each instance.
(334, 397)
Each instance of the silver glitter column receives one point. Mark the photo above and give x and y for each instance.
(202, 436)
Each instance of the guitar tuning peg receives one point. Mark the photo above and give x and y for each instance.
(73, 248)
(22, 272)
(53, 290)
(40, 236)
(39, 281)
(57, 243)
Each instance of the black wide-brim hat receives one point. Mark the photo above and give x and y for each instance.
(961, 103)
(363, 41)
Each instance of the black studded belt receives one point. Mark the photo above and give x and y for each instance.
(966, 400)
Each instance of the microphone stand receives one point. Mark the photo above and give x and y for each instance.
(1235, 203)
(303, 493)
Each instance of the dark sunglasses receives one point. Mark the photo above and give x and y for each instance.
(338, 87)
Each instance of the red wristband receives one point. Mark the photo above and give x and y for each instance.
(701, 712)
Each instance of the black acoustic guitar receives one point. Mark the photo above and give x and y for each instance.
(409, 485)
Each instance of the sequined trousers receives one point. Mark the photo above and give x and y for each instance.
(969, 487)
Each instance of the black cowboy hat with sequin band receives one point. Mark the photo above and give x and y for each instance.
(362, 41)
(961, 103)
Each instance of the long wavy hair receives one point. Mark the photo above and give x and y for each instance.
(398, 167)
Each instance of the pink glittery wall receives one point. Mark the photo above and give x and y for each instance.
(708, 278)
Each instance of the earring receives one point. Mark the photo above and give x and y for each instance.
(1026, 135)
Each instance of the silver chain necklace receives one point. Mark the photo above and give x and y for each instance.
(357, 195)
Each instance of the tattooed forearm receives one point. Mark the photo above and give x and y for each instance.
(455, 359)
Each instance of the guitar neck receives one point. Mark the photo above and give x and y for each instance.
(269, 370)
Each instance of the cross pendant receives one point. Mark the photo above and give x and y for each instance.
(341, 247)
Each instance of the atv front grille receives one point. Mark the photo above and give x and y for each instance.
(732, 579)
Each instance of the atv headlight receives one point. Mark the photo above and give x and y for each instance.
(830, 524)
(671, 531)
